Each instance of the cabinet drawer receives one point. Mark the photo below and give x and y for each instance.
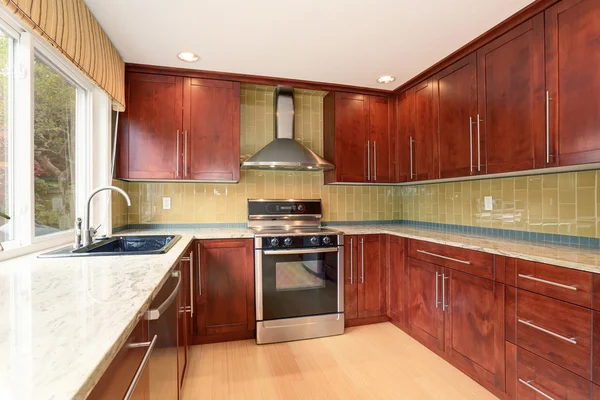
(555, 330)
(469, 261)
(562, 283)
(538, 379)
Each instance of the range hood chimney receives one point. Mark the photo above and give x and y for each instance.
(284, 152)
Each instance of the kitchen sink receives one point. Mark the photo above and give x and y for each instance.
(119, 246)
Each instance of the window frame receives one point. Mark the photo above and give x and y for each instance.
(27, 45)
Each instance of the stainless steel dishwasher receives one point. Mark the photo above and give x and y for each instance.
(162, 322)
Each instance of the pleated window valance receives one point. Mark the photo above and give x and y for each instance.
(70, 27)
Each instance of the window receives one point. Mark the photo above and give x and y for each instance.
(6, 91)
(54, 152)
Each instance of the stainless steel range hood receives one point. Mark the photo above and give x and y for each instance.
(284, 152)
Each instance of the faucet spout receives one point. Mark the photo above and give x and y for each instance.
(88, 231)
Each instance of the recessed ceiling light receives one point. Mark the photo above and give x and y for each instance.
(386, 79)
(187, 56)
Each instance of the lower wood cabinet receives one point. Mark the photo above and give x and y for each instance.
(365, 283)
(225, 291)
(424, 312)
(396, 292)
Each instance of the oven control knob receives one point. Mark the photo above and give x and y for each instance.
(287, 241)
(301, 208)
(274, 242)
(314, 240)
(326, 240)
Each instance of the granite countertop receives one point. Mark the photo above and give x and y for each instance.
(63, 320)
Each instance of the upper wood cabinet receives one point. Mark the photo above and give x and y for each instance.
(511, 99)
(421, 143)
(357, 138)
(179, 128)
(404, 133)
(211, 130)
(573, 81)
(456, 105)
(150, 129)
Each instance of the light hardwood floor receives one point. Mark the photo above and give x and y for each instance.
(367, 362)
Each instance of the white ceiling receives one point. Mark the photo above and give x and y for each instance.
(336, 41)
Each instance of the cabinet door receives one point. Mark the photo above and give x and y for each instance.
(226, 287)
(425, 315)
(573, 81)
(151, 147)
(371, 286)
(511, 99)
(474, 325)
(397, 279)
(351, 278)
(456, 107)
(351, 119)
(404, 132)
(181, 328)
(379, 134)
(211, 130)
(424, 126)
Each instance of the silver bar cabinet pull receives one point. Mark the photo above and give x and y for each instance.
(437, 289)
(539, 328)
(155, 313)
(548, 99)
(177, 154)
(190, 259)
(444, 257)
(411, 157)
(140, 370)
(375, 160)
(533, 278)
(478, 143)
(185, 151)
(351, 264)
(530, 386)
(368, 160)
(199, 272)
(362, 274)
(471, 143)
(444, 304)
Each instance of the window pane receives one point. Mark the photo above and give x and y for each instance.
(55, 99)
(6, 225)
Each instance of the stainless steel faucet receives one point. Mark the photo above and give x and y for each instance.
(88, 231)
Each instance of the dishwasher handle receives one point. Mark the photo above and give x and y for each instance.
(155, 313)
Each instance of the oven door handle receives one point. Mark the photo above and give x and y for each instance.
(300, 251)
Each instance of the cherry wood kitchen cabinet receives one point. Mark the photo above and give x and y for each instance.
(511, 114)
(456, 107)
(365, 283)
(118, 377)
(474, 326)
(225, 298)
(572, 81)
(179, 128)
(404, 133)
(211, 130)
(357, 138)
(424, 306)
(422, 154)
(397, 248)
(150, 129)
(186, 311)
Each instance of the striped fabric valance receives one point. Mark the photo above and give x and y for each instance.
(70, 27)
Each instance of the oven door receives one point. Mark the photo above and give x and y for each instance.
(294, 283)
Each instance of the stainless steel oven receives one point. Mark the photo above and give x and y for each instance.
(299, 280)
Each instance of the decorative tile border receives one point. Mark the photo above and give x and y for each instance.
(508, 234)
(579, 241)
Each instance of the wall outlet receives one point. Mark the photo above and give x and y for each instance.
(166, 203)
(488, 203)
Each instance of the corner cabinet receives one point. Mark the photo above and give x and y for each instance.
(357, 138)
(365, 278)
(225, 291)
(179, 128)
